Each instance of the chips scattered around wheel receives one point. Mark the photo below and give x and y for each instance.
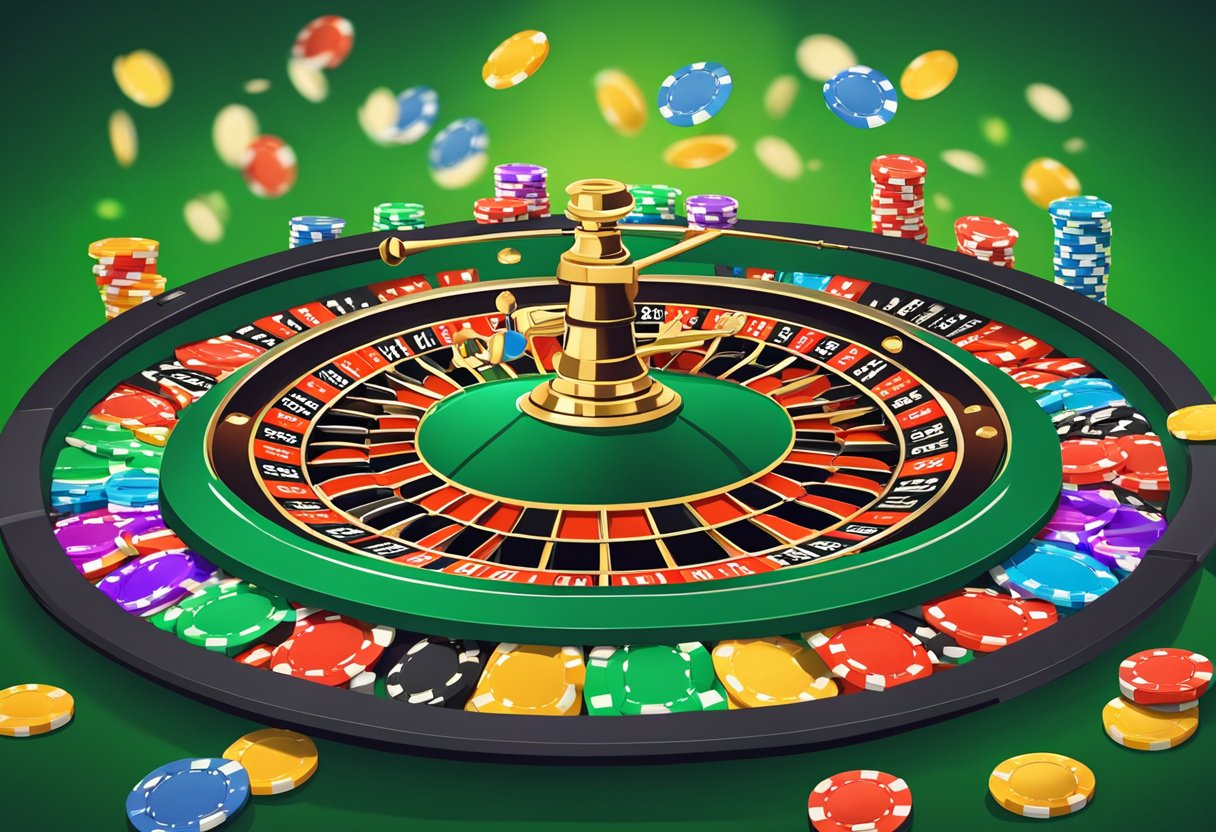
(276, 760)
(652, 679)
(1042, 785)
(694, 93)
(436, 671)
(1144, 729)
(860, 800)
(32, 709)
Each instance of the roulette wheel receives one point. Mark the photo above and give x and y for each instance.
(608, 469)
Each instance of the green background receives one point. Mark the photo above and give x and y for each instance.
(1139, 78)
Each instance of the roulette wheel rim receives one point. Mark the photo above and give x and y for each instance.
(215, 678)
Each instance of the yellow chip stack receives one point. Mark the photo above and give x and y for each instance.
(125, 272)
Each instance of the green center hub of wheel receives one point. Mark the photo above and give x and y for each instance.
(723, 434)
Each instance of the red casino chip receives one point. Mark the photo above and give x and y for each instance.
(1065, 367)
(500, 207)
(986, 620)
(1013, 351)
(269, 166)
(1091, 461)
(133, 408)
(257, 656)
(984, 233)
(330, 648)
(860, 800)
(876, 655)
(1032, 378)
(217, 356)
(897, 169)
(325, 42)
(1164, 676)
(1144, 467)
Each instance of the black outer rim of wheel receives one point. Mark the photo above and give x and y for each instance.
(275, 699)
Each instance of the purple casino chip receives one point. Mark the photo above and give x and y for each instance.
(1078, 517)
(520, 172)
(95, 534)
(711, 203)
(154, 581)
(1125, 539)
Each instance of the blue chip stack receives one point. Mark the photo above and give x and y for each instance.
(1081, 256)
(306, 230)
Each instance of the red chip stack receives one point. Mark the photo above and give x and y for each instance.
(495, 209)
(985, 238)
(897, 202)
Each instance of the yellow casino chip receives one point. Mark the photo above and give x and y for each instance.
(277, 760)
(1141, 728)
(1042, 785)
(516, 59)
(759, 672)
(27, 710)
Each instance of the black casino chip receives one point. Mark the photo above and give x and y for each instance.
(436, 671)
(1115, 421)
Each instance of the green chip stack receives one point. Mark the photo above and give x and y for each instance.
(653, 204)
(650, 679)
(398, 216)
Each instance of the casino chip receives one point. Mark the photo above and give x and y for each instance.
(515, 60)
(330, 648)
(218, 357)
(269, 167)
(143, 77)
(1196, 423)
(325, 42)
(1164, 676)
(759, 672)
(526, 183)
(1144, 467)
(694, 93)
(489, 210)
(275, 760)
(652, 679)
(152, 582)
(398, 216)
(860, 800)
(29, 710)
(436, 671)
(929, 74)
(985, 620)
(942, 649)
(1052, 572)
(1091, 461)
(458, 153)
(531, 679)
(876, 655)
(228, 616)
(1144, 729)
(417, 109)
(1042, 785)
(699, 151)
(861, 97)
(188, 794)
(620, 102)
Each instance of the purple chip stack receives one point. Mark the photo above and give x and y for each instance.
(527, 182)
(711, 211)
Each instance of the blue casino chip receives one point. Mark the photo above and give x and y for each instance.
(1054, 572)
(188, 794)
(694, 94)
(460, 141)
(806, 280)
(417, 109)
(1080, 207)
(861, 97)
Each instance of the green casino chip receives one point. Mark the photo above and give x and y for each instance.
(650, 679)
(114, 444)
(229, 616)
(78, 465)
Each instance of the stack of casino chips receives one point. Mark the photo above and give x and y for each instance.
(653, 204)
(308, 230)
(711, 211)
(525, 182)
(495, 209)
(1081, 257)
(987, 239)
(897, 200)
(398, 216)
(1158, 704)
(126, 272)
